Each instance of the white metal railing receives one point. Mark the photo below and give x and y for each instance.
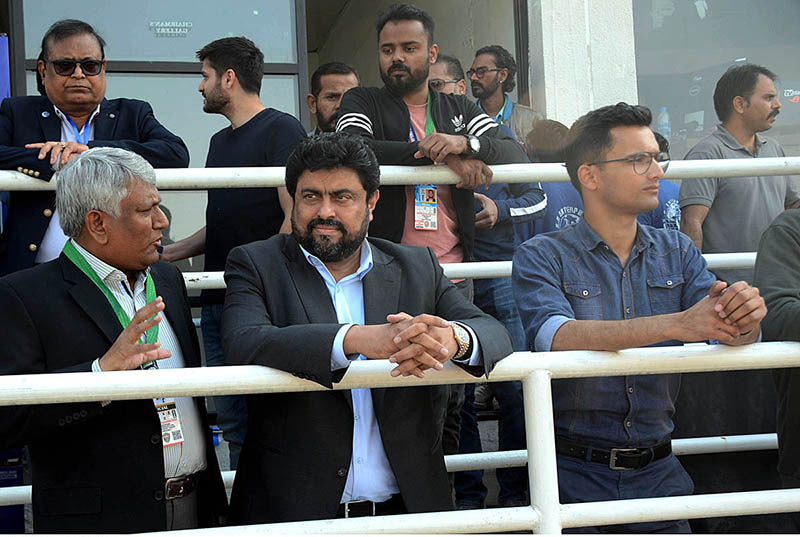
(534, 369)
(202, 178)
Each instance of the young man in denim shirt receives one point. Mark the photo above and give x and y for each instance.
(608, 283)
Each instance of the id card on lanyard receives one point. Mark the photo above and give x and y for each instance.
(80, 138)
(426, 198)
(171, 431)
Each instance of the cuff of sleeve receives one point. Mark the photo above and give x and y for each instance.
(96, 366)
(544, 337)
(338, 358)
(476, 357)
(695, 200)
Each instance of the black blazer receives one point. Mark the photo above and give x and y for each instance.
(95, 469)
(278, 313)
(124, 123)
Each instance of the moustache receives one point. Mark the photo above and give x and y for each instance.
(326, 222)
(774, 113)
(399, 67)
(477, 85)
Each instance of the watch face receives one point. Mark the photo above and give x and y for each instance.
(461, 334)
(474, 144)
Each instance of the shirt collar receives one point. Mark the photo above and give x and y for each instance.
(65, 119)
(365, 265)
(728, 139)
(506, 110)
(106, 272)
(591, 240)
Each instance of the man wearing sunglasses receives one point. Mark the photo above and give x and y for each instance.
(41, 134)
(609, 283)
(491, 78)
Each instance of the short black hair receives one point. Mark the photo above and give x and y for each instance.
(738, 81)
(330, 68)
(590, 136)
(545, 141)
(454, 68)
(331, 150)
(239, 54)
(663, 143)
(65, 29)
(504, 60)
(406, 12)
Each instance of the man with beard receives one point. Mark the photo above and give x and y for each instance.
(491, 78)
(312, 302)
(257, 136)
(730, 215)
(328, 84)
(408, 124)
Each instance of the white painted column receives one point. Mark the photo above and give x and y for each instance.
(582, 56)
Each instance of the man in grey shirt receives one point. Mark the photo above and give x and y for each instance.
(729, 215)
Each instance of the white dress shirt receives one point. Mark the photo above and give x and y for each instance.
(188, 457)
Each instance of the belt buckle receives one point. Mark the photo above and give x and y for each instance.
(612, 462)
(357, 502)
(175, 487)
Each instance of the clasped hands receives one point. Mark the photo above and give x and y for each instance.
(446, 148)
(66, 150)
(728, 312)
(415, 344)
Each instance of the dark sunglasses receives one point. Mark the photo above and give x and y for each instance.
(67, 67)
(438, 83)
(480, 72)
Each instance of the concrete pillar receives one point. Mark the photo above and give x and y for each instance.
(581, 55)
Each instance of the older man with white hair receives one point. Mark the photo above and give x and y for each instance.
(107, 303)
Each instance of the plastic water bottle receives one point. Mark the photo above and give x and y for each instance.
(662, 123)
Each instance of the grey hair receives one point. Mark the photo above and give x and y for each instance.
(97, 179)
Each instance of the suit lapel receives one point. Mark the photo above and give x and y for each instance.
(381, 297)
(49, 122)
(309, 286)
(106, 121)
(91, 299)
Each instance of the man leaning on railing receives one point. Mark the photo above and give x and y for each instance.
(608, 283)
(310, 303)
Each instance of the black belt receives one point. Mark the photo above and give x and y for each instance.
(358, 508)
(615, 458)
(179, 487)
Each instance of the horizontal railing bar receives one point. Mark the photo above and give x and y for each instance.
(512, 459)
(204, 178)
(227, 380)
(482, 269)
(578, 515)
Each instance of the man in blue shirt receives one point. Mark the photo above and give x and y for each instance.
(311, 302)
(610, 283)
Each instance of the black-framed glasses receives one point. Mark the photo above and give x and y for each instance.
(480, 72)
(90, 67)
(641, 161)
(439, 83)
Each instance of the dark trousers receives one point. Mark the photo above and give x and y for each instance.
(231, 409)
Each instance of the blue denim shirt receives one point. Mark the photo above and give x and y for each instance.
(572, 274)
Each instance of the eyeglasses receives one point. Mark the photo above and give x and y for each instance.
(641, 161)
(480, 72)
(67, 67)
(439, 83)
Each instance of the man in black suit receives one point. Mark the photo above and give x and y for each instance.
(118, 466)
(311, 302)
(40, 134)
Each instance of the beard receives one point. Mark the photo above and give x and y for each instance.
(216, 101)
(324, 248)
(404, 86)
(327, 124)
(479, 91)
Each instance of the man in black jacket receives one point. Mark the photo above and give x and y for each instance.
(39, 135)
(408, 124)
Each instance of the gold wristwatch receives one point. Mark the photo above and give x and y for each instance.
(462, 338)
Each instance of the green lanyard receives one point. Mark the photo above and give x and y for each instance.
(150, 290)
(428, 123)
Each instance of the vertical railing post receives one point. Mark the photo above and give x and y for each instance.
(540, 435)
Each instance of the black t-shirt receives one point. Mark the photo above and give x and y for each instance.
(236, 216)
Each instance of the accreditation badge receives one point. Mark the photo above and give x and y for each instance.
(426, 207)
(171, 432)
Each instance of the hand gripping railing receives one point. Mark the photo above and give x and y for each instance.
(535, 370)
